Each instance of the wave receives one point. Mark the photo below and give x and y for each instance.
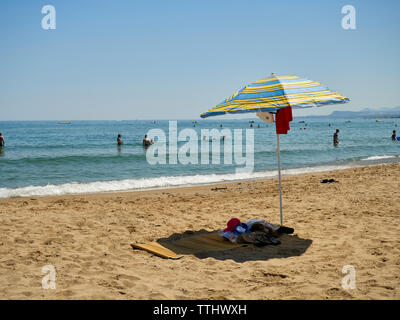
(140, 154)
(378, 158)
(74, 158)
(152, 183)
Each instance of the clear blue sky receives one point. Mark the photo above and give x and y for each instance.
(176, 59)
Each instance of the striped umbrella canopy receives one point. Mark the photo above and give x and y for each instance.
(273, 93)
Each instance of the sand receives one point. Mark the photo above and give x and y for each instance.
(87, 239)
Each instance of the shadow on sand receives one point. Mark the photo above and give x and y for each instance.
(291, 246)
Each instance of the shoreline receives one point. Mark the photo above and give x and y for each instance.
(272, 174)
(87, 239)
(194, 187)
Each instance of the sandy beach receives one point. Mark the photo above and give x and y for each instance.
(87, 239)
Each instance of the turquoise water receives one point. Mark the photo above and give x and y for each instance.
(45, 157)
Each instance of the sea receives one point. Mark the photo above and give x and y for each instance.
(78, 157)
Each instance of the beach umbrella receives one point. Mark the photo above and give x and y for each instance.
(277, 95)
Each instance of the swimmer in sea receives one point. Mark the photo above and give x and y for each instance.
(146, 141)
(336, 138)
(1, 140)
(119, 141)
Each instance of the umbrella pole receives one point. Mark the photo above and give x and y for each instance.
(279, 176)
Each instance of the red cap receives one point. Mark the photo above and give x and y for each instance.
(232, 224)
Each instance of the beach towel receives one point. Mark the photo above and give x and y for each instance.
(283, 117)
(175, 249)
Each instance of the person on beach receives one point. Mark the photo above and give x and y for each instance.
(119, 140)
(336, 138)
(393, 135)
(1, 140)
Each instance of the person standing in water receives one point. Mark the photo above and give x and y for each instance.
(1, 140)
(119, 140)
(146, 141)
(336, 138)
(393, 135)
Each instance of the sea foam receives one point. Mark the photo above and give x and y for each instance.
(151, 183)
(379, 157)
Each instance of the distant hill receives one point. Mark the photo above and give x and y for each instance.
(365, 113)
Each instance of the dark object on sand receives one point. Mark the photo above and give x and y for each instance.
(328, 181)
(262, 239)
(257, 226)
(216, 188)
(286, 230)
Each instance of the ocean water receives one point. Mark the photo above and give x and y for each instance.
(49, 158)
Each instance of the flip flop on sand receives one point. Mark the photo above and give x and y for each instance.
(328, 180)
(286, 230)
(259, 243)
(266, 240)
